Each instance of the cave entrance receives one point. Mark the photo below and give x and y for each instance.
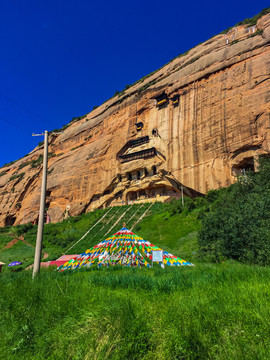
(154, 170)
(139, 126)
(175, 100)
(245, 165)
(162, 99)
(10, 220)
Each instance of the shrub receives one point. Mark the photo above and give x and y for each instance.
(175, 207)
(24, 164)
(22, 229)
(37, 162)
(234, 42)
(238, 226)
(258, 32)
(17, 176)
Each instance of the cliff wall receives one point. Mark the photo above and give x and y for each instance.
(191, 126)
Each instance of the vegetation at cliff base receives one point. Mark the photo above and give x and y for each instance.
(217, 309)
(238, 223)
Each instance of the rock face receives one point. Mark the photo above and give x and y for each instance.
(191, 126)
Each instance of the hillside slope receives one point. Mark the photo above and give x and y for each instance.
(173, 232)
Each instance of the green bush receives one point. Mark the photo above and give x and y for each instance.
(238, 225)
(24, 164)
(37, 162)
(21, 229)
(17, 176)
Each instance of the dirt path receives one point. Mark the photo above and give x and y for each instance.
(14, 241)
(11, 243)
(45, 255)
(27, 243)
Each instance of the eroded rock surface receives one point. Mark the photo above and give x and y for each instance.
(193, 125)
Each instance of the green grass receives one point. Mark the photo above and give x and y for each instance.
(209, 311)
(205, 312)
(18, 252)
(176, 234)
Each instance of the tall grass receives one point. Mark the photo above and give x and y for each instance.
(206, 312)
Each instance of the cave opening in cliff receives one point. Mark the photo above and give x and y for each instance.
(139, 126)
(154, 169)
(162, 99)
(155, 132)
(146, 172)
(175, 100)
(119, 177)
(119, 195)
(245, 165)
(107, 191)
(10, 220)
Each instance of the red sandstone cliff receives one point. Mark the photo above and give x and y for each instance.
(200, 119)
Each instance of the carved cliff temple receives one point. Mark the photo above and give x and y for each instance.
(143, 154)
(162, 100)
(152, 193)
(127, 152)
(140, 186)
(139, 126)
(175, 100)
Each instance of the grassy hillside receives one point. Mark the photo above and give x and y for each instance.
(206, 312)
(162, 226)
(210, 311)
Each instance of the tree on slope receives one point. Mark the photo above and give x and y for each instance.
(238, 225)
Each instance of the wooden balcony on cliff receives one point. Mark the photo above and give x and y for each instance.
(139, 126)
(132, 144)
(162, 99)
(175, 100)
(138, 142)
(143, 154)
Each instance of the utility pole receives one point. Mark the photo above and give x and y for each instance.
(182, 195)
(38, 249)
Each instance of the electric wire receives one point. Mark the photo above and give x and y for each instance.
(15, 125)
(27, 110)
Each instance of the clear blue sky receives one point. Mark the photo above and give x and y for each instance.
(61, 58)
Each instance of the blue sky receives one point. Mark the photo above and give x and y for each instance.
(61, 58)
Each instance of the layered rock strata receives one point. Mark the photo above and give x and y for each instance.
(191, 126)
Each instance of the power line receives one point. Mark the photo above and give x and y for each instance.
(27, 110)
(15, 125)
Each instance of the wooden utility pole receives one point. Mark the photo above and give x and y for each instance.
(182, 195)
(38, 249)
